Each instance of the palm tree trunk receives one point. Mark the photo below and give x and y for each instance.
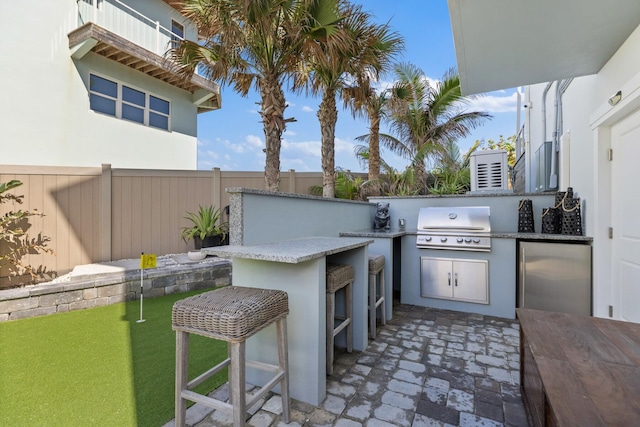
(421, 175)
(272, 113)
(328, 116)
(374, 147)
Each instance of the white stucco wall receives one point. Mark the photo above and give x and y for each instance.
(45, 112)
(582, 99)
(588, 118)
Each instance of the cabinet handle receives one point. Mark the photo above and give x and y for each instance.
(449, 278)
(456, 279)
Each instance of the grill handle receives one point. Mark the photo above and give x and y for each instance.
(449, 278)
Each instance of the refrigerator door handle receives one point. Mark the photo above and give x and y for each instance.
(522, 277)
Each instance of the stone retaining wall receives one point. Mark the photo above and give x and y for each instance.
(78, 293)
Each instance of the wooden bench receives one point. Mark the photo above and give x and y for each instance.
(579, 370)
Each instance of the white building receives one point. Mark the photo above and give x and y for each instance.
(590, 49)
(85, 82)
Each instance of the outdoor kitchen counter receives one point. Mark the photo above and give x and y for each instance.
(298, 267)
(502, 235)
(540, 236)
(376, 233)
(290, 251)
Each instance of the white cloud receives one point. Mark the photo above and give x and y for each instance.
(251, 144)
(305, 148)
(342, 146)
(494, 104)
(307, 109)
(254, 142)
(383, 85)
(300, 165)
(237, 148)
(203, 165)
(212, 154)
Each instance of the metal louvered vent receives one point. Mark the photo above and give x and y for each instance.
(489, 170)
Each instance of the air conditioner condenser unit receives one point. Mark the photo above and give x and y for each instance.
(489, 171)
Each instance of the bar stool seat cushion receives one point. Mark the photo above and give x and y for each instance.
(232, 313)
(339, 276)
(376, 263)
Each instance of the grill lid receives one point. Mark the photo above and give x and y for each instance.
(458, 228)
(464, 219)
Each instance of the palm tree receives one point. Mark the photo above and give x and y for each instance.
(366, 102)
(256, 43)
(426, 117)
(391, 182)
(452, 169)
(359, 51)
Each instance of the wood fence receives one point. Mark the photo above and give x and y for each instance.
(104, 214)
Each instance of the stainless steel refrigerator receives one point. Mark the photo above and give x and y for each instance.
(554, 277)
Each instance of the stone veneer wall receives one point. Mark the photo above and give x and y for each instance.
(111, 288)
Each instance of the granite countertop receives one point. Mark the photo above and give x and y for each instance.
(540, 236)
(290, 251)
(375, 233)
(495, 234)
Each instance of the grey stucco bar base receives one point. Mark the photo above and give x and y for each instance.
(299, 268)
(384, 243)
(502, 278)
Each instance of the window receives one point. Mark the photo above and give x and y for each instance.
(103, 95)
(127, 103)
(158, 112)
(177, 33)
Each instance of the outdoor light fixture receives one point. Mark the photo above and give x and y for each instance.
(615, 98)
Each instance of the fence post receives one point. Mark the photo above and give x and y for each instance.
(105, 213)
(216, 190)
(292, 181)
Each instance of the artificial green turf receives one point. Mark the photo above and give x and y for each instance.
(98, 367)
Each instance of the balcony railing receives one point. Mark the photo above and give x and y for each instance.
(120, 19)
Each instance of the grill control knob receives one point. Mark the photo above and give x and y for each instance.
(443, 239)
(467, 239)
(427, 239)
(476, 240)
(459, 239)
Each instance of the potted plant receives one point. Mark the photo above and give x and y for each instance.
(207, 228)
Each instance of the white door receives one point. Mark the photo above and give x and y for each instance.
(625, 215)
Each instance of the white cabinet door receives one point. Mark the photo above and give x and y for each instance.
(436, 278)
(470, 281)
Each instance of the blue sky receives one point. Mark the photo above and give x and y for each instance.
(232, 138)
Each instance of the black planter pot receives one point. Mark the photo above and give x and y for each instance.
(208, 242)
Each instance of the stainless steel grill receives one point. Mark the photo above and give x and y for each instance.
(462, 228)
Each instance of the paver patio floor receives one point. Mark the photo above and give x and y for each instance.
(426, 367)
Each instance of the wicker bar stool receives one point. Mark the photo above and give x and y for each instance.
(231, 314)
(339, 277)
(376, 297)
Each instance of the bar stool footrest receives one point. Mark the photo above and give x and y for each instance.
(265, 389)
(206, 401)
(208, 374)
